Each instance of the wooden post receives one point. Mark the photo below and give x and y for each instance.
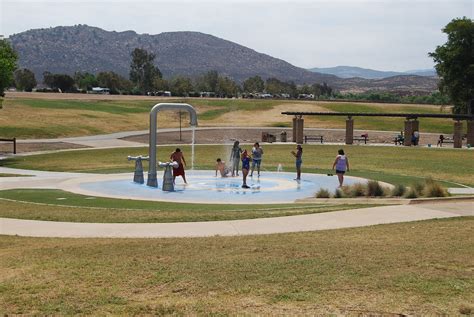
(457, 134)
(470, 133)
(349, 130)
(293, 137)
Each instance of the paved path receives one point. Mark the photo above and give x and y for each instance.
(312, 222)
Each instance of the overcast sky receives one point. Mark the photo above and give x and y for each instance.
(383, 34)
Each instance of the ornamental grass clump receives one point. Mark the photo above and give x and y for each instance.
(374, 189)
(434, 189)
(357, 190)
(338, 193)
(399, 190)
(323, 193)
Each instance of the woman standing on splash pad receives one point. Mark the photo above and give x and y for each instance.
(342, 165)
(177, 156)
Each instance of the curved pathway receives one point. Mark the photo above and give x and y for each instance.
(313, 222)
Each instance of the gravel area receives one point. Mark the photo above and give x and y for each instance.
(251, 135)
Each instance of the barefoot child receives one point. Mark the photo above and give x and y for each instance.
(342, 165)
(220, 166)
(177, 156)
(245, 167)
(298, 155)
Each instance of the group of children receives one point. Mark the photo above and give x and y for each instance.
(237, 155)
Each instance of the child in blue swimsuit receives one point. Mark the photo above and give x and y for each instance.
(245, 167)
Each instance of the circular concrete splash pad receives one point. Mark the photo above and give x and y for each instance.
(204, 187)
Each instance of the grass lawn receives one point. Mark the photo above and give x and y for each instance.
(397, 165)
(56, 205)
(51, 118)
(418, 268)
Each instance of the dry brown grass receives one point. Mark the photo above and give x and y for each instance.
(421, 268)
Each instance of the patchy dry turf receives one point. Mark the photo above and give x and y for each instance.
(420, 268)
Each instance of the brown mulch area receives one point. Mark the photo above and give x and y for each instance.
(7, 148)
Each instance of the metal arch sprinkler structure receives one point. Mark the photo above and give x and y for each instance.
(152, 181)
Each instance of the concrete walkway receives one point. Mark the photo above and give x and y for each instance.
(313, 222)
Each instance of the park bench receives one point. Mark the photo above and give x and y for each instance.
(268, 137)
(363, 137)
(398, 139)
(10, 140)
(308, 138)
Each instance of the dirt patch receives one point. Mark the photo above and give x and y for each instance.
(251, 135)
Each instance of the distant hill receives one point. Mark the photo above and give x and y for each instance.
(351, 72)
(67, 49)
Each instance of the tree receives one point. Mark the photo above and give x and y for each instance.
(8, 59)
(455, 63)
(181, 86)
(142, 70)
(254, 84)
(116, 83)
(25, 79)
(62, 82)
(85, 81)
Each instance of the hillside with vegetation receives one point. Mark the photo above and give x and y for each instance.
(69, 49)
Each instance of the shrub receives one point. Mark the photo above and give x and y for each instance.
(338, 193)
(434, 189)
(323, 193)
(411, 193)
(374, 189)
(418, 188)
(357, 190)
(399, 190)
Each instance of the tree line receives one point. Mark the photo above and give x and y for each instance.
(454, 63)
(146, 78)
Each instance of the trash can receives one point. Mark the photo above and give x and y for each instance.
(283, 136)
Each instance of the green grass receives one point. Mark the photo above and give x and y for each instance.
(56, 205)
(397, 165)
(89, 116)
(418, 268)
(112, 107)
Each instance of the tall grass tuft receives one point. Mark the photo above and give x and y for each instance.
(338, 193)
(357, 190)
(323, 193)
(374, 189)
(399, 190)
(434, 189)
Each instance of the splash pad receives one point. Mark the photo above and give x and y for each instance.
(204, 187)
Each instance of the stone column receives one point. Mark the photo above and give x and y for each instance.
(457, 135)
(408, 132)
(470, 132)
(294, 130)
(349, 130)
(299, 130)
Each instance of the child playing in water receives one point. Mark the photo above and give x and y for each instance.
(342, 165)
(177, 156)
(245, 167)
(298, 155)
(220, 166)
(257, 153)
(235, 158)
